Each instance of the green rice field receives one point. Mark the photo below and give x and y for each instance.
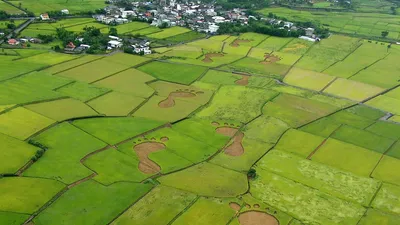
(238, 129)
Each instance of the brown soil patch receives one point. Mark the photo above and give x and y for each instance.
(227, 131)
(294, 47)
(248, 206)
(243, 81)
(237, 42)
(234, 206)
(208, 57)
(164, 139)
(257, 218)
(236, 148)
(170, 102)
(256, 206)
(215, 123)
(270, 58)
(143, 150)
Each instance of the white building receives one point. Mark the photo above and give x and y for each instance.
(114, 44)
(309, 31)
(213, 28)
(218, 19)
(44, 16)
(114, 38)
(127, 13)
(288, 24)
(121, 21)
(211, 12)
(84, 46)
(308, 38)
(65, 11)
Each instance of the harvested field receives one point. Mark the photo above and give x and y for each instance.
(208, 57)
(270, 58)
(170, 102)
(227, 131)
(236, 148)
(236, 43)
(143, 151)
(257, 218)
(235, 206)
(244, 81)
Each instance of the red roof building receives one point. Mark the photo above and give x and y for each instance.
(13, 42)
(70, 45)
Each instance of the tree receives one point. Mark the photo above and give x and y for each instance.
(252, 173)
(163, 25)
(385, 33)
(11, 26)
(45, 38)
(113, 31)
(57, 48)
(393, 9)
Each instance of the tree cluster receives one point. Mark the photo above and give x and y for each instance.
(39, 153)
(246, 4)
(45, 38)
(258, 27)
(91, 36)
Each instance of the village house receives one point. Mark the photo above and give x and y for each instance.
(309, 32)
(69, 47)
(115, 38)
(114, 44)
(13, 42)
(218, 19)
(65, 11)
(44, 16)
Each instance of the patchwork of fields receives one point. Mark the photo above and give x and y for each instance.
(169, 35)
(365, 24)
(237, 130)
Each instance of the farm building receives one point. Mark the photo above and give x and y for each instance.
(44, 16)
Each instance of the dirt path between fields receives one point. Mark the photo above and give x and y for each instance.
(81, 180)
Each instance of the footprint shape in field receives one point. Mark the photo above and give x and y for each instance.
(170, 100)
(244, 81)
(253, 217)
(208, 57)
(270, 58)
(237, 42)
(143, 150)
(236, 147)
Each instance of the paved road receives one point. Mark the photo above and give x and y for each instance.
(19, 28)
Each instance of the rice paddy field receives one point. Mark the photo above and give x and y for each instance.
(352, 23)
(74, 6)
(233, 130)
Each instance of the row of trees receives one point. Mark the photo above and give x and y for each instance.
(258, 27)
